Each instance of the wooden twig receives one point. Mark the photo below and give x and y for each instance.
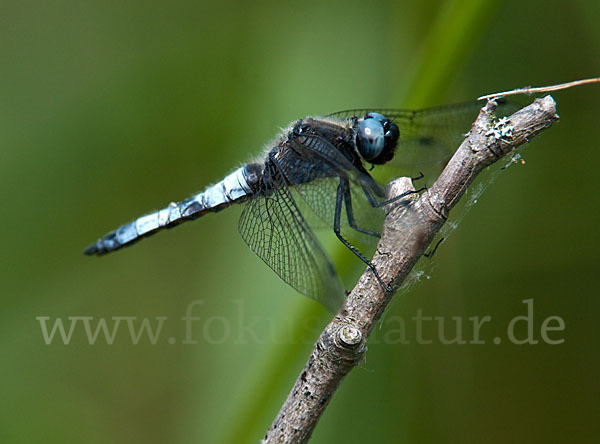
(540, 89)
(408, 231)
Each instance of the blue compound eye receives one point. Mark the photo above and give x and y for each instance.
(379, 117)
(371, 137)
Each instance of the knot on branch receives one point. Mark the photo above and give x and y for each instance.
(344, 342)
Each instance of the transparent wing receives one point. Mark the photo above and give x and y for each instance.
(430, 136)
(320, 194)
(274, 228)
(317, 201)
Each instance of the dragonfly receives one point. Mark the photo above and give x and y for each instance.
(316, 173)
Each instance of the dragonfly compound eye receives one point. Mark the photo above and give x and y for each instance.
(391, 135)
(370, 139)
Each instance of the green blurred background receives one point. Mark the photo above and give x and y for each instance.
(111, 109)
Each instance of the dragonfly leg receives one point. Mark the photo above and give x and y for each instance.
(336, 229)
(419, 177)
(429, 255)
(350, 211)
(375, 203)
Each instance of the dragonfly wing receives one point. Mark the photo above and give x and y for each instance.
(273, 227)
(430, 136)
(320, 194)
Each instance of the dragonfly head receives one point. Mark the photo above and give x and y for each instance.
(376, 138)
